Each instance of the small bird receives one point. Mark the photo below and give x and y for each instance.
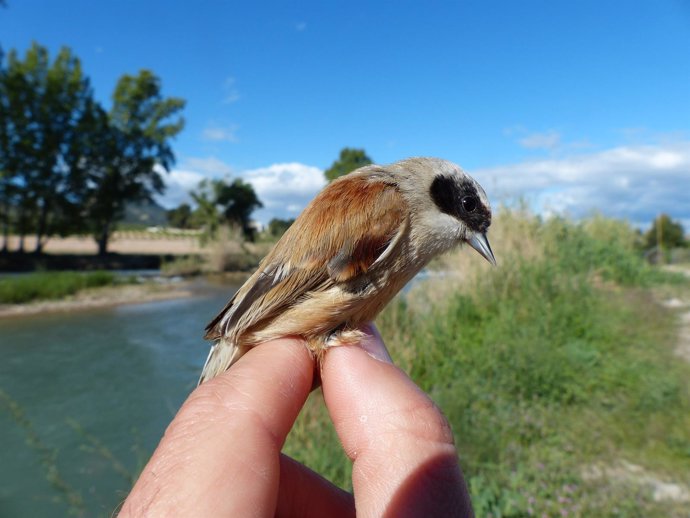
(355, 246)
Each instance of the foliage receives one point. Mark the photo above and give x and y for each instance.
(669, 232)
(42, 104)
(180, 217)
(349, 160)
(183, 265)
(126, 150)
(50, 285)
(221, 202)
(237, 201)
(277, 227)
(67, 165)
(552, 363)
(206, 215)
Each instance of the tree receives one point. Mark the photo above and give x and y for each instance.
(206, 215)
(238, 200)
(349, 160)
(221, 202)
(666, 233)
(65, 163)
(277, 227)
(42, 102)
(180, 217)
(5, 178)
(126, 150)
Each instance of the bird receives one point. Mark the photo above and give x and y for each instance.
(350, 251)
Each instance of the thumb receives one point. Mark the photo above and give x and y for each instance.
(405, 462)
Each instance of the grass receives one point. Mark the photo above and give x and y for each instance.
(50, 285)
(556, 362)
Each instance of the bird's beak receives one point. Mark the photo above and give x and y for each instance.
(481, 244)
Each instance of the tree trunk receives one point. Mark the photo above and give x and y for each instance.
(103, 238)
(6, 233)
(41, 229)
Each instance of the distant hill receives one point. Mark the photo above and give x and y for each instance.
(147, 213)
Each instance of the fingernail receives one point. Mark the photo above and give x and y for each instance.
(373, 344)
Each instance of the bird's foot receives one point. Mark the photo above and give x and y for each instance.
(344, 337)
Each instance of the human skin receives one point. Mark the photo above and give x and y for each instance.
(221, 455)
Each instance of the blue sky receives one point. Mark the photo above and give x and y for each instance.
(574, 106)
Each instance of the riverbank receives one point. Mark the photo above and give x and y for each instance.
(102, 297)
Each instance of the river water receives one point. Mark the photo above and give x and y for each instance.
(89, 384)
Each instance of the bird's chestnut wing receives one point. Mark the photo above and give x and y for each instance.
(340, 236)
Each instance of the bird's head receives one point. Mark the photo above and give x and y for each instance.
(446, 203)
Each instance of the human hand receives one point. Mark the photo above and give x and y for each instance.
(220, 456)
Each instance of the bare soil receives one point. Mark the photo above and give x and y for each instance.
(681, 303)
(120, 243)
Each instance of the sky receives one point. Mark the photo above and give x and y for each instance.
(574, 107)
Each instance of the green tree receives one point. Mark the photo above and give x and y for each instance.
(237, 201)
(126, 150)
(221, 202)
(42, 102)
(666, 233)
(5, 178)
(180, 217)
(206, 214)
(277, 227)
(349, 160)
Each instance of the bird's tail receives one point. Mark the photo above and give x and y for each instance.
(222, 355)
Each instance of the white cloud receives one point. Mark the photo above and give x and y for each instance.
(549, 140)
(231, 93)
(631, 182)
(192, 170)
(221, 134)
(285, 189)
(209, 166)
(178, 184)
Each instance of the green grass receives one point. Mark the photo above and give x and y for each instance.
(557, 361)
(50, 285)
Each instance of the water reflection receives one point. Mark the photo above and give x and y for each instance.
(120, 373)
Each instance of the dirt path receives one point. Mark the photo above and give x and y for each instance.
(681, 303)
(628, 473)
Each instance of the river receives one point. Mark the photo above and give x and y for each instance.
(92, 383)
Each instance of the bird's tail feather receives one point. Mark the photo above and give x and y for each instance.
(222, 355)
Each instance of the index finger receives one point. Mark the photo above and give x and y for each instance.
(220, 455)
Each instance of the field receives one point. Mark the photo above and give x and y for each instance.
(173, 251)
(559, 371)
(126, 242)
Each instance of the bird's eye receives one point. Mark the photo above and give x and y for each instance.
(469, 203)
